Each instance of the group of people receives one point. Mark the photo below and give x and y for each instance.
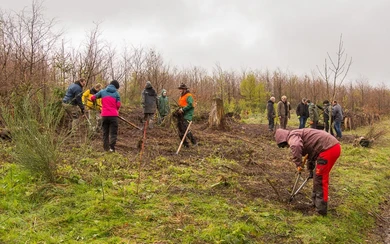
(306, 110)
(322, 148)
(101, 108)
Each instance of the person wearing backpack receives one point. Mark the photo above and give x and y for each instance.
(186, 112)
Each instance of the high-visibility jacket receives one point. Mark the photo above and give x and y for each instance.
(186, 102)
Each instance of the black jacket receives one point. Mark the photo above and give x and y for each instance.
(303, 109)
(270, 109)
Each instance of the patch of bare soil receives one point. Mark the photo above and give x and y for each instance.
(265, 171)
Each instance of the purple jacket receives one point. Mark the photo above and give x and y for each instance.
(306, 141)
(110, 101)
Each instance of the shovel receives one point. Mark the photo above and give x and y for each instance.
(184, 137)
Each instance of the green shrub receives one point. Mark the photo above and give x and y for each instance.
(33, 124)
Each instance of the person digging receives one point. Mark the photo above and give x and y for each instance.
(323, 151)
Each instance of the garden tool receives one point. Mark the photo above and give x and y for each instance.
(295, 191)
(128, 122)
(184, 137)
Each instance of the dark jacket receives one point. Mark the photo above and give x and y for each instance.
(73, 95)
(149, 99)
(326, 112)
(270, 110)
(306, 141)
(337, 113)
(302, 110)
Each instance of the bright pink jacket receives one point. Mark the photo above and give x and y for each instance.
(110, 101)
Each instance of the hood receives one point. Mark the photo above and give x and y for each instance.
(162, 92)
(281, 135)
(111, 88)
(148, 85)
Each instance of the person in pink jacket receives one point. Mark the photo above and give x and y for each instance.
(323, 150)
(110, 106)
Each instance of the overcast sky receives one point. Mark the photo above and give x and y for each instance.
(292, 35)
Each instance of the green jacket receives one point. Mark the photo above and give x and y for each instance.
(186, 102)
(163, 104)
(313, 112)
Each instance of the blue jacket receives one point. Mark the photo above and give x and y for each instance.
(73, 95)
(111, 101)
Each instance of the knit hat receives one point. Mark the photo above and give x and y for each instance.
(115, 83)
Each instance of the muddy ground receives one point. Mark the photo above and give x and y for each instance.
(265, 170)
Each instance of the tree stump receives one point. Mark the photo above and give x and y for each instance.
(217, 115)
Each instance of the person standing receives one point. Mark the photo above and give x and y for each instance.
(73, 104)
(327, 119)
(163, 105)
(271, 113)
(149, 103)
(313, 114)
(323, 151)
(110, 112)
(337, 114)
(283, 112)
(302, 113)
(93, 108)
(186, 112)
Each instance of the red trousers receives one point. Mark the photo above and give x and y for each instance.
(325, 162)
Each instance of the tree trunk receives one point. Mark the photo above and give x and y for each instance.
(217, 115)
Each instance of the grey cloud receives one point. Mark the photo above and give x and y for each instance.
(293, 35)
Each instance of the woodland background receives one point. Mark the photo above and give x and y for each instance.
(36, 58)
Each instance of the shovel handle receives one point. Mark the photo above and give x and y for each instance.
(184, 137)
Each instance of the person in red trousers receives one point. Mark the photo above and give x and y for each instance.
(323, 150)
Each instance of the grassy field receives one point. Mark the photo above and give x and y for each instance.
(108, 198)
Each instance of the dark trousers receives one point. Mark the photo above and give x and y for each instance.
(110, 132)
(302, 122)
(314, 125)
(271, 123)
(337, 128)
(182, 125)
(327, 127)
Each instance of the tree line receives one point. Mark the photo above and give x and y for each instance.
(36, 58)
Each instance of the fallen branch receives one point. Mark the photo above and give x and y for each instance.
(273, 187)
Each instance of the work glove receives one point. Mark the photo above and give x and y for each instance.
(299, 169)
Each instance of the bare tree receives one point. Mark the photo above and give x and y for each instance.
(335, 73)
